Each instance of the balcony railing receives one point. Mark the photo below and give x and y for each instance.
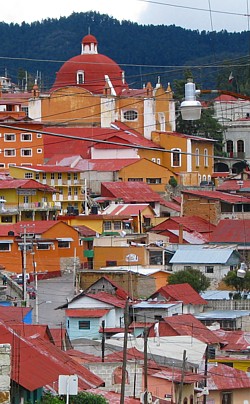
(9, 207)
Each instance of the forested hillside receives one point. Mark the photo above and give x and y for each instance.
(144, 52)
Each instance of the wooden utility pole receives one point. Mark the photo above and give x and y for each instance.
(103, 340)
(182, 377)
(125, 344)
(145, 398)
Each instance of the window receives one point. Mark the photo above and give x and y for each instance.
(6, 219)
(107, 225)
(9, 152)
(42, 246)
(240, 146)
(153, 159)
(176, 158)
(226, 398)
(2, 165)
(75, 177)
(69, 191)
(11, 164)
(209, 269)
(135, 179)
(153, 180)
(37, 176)
(205, 157)
(187, 267)
(230, 147)
(197, 157)
(38, 135)
(84, 325)
(158, 161)
(26, 137)
(75, 191)
(130, 115)
(39, 151)
(111, 263)
(28, 175)
(117, 225)
(44, 176)
(59, 176)
(80, 77)
(69, 176)
(52, 176)
(63, 244)
(26, 110)
(9, 137)
(5, 246)
(26, 152)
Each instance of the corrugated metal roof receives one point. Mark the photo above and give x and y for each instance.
(233, 185)
(204, 256)
(232, 231)
(221, 196)
(180, 292)
(126, 209)
(88, 313)
(234, 340)
(130, 191)
(108, 298)
(222, 377)
(40, 362)
(222, 314)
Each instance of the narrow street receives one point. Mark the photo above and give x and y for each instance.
(51, 294)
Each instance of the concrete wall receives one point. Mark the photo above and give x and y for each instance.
(5, 369)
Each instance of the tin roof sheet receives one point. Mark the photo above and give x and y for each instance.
(206, 256)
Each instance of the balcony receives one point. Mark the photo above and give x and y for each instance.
(36, 206)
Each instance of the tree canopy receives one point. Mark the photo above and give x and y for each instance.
(194, 277)
(239, 284)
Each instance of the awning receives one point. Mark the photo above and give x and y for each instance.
(65, 239)
(6, 241)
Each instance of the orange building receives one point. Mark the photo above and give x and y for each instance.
(51, 246)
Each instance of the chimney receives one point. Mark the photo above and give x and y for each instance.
(180, 233)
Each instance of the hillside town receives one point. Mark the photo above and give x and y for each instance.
(106, 213)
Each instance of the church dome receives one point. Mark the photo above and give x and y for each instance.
(91, 71)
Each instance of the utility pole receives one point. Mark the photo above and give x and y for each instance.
(205, 374)
(182, 376)
(24, 270)
(124, 362)
(145, 397)
(103, 340)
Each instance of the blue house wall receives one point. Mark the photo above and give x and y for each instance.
(74, 332)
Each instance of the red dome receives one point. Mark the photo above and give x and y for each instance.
(95, 70)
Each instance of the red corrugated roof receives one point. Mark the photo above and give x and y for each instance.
(191, 223)
(176, 375)
(181, 292)
(233, 185)
(221, 196)
(222, 377)
(82, 356)
(132, 354)
(108, 298)
(40, 362)
(127, 209)
(104, 164)
(114, 398)
(11, 313)
(234, 340)
(24, 184)
(95, 313)
(231, 231)
(130, 191)
(185, 324)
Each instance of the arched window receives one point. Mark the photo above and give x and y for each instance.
(176, 158)
(80, 77)
(191, 400)
(205, 157)
(240, 146)
(185, 401)
(197, 157)
(230, 148)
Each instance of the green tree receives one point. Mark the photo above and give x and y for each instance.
(88, 398)
(194, 277)
(49, 399)
(239, 284)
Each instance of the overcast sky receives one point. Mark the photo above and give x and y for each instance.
(205, 15)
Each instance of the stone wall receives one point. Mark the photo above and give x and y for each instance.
(5, 352)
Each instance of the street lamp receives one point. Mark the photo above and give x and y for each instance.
(191, 108)
(241, 273)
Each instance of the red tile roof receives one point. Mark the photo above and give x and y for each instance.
(232, 231)
(223, 377)
(225, 98)
(220, 196)
(40, 362)
(130, 191)
(95, 313)
(185, 324)
(181, 292)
